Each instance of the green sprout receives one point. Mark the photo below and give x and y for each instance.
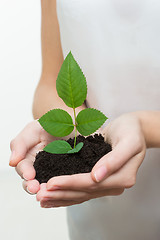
(71, 87)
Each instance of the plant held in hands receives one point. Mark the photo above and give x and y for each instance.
(72, 89)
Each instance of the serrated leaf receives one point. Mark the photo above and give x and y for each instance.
(58, 147)
(71, 83)
(57, 122)
(89, 120)
(77, 148)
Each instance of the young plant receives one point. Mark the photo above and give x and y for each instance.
(72, 89)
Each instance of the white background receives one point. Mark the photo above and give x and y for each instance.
(20, 66)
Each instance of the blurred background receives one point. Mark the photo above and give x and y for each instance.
(20, 64)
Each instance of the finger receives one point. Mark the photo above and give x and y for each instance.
(80, 182)
(84, 183)
(126, 176)
(123, 178)
(26, 139)
(53, 204)
(64, 203)
(61, 195)
(114, 160)
(25, 169)
(31, 186)
(50, 203)
(75, 182)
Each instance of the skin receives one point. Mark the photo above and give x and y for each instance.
(128, 139)
(129, 135)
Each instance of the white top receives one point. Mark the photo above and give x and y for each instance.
(117, 44)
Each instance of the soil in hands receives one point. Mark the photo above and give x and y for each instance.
(48, 165)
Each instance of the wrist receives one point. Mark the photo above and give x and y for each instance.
(41, 100)
(150, 125)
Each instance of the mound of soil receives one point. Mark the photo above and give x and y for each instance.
(48, 165)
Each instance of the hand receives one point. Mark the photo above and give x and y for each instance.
(113, 173)
(24, 147)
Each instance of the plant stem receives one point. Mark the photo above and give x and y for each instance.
(75, 127)
(75, 137)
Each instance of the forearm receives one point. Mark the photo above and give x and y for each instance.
(150, 122)
(46, 97)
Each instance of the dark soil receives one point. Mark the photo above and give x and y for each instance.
(48, 165)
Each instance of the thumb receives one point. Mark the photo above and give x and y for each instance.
(25, 140)
(18, 151)
(113, 161)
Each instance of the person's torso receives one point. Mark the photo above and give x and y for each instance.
(117, 44)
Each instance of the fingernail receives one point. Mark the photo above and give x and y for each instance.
(25, 177)
(13, 155)
(29, 191)
(100, 174)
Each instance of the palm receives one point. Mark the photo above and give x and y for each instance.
(43, 138)
(32, 139)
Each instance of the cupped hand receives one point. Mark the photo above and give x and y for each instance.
(113, 173)
(24, 147)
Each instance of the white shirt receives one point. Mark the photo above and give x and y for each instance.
(117, 44)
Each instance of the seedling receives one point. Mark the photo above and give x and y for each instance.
(71, 87)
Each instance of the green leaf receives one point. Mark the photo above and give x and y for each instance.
(77, 148)
(89, 120)
(71, 83)
(58, 147)
(57, 122)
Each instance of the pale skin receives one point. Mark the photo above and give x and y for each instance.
(130, 135)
